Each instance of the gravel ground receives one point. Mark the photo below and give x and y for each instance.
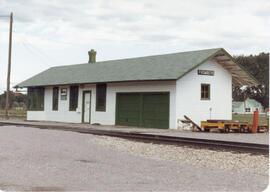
(49, 160)
(239, 162)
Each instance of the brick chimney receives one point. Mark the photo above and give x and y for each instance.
(92, 56)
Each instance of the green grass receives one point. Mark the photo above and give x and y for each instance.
(14, 113)
(249, 118)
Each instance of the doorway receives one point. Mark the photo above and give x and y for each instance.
(86, 107)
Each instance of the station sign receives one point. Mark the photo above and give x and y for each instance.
(206, 72)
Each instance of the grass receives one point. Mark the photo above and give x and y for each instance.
(14, 113)
(249, 118)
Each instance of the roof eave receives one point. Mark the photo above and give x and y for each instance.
(80, 83)
(256, 82)
(221, 50)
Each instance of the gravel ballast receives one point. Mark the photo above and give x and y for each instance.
(34, 159)
(239, 162)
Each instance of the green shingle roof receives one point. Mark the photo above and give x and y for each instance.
(158, 67)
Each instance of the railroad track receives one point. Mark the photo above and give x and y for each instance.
(159, 139)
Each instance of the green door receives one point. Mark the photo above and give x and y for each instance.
(128, 109)
(155, 110)
(143, 109)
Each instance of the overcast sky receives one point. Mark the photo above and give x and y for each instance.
(48, 33)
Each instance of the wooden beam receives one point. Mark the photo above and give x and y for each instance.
(223, 60)
(218, 55)
(226, 63)
(239, 77)
(240, 81)
(193, 124)
(227, 67)
(235, 82)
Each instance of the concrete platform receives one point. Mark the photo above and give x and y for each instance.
(260, 138)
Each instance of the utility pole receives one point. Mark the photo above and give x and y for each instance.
(9, 63)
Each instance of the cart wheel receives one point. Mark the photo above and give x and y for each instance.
(227, 129)
(242, 130)
(236, 130)
(206, 130)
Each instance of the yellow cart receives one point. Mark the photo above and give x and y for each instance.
(225, 126)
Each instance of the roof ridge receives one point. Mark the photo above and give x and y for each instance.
(139, 57)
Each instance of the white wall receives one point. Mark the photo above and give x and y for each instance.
(253, 105)
(108, 117)
(185, 98)
(62, 115)
(188, 94)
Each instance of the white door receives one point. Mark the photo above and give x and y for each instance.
(86, 108)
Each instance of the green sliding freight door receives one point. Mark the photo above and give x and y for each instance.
(128, 109)
(143, 109)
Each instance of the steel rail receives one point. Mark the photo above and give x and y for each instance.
(160, 139)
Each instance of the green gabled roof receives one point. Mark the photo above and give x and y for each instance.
(237, 104)
(254, 102)
(158, 67)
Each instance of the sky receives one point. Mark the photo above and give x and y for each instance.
(61, 32)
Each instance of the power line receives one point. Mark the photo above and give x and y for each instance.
(30, 50)
(38, 52)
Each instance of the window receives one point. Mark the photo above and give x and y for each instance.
(35, 99)
(55, 98)
(64, 94)
(247, 109)
(101, 97)
(205, 91)
(73, 98)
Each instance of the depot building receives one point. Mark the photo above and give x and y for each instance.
(153, 91)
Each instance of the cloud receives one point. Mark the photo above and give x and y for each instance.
(140, 20)
(64, 30)
(158, 37)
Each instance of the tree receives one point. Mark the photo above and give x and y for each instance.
(20, 100)
(258, 66)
